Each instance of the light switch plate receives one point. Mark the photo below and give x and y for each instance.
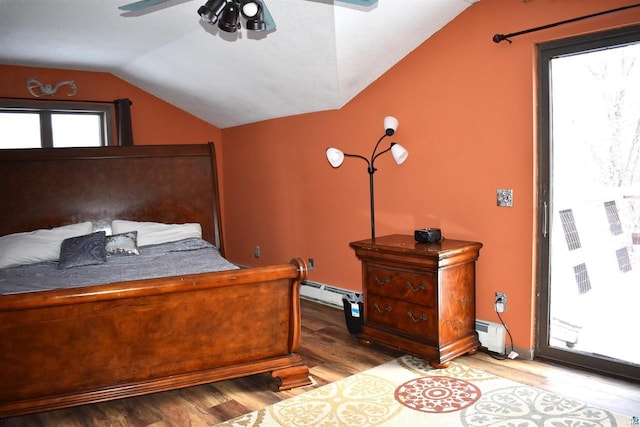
(505, 197)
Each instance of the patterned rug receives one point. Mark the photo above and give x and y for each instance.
(407, 392)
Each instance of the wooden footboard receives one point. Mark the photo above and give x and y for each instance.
(69, 347)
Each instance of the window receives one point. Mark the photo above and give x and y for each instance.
(32, 125)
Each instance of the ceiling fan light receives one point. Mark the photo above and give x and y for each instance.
(229, 20)
(250, 8)
(211, 10)
(252, 11)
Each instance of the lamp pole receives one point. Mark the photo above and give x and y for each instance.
(371, 169)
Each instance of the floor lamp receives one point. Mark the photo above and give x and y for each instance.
(336, 157)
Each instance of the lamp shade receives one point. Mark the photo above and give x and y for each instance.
(399, 153)
(390, 125)
(335, 157)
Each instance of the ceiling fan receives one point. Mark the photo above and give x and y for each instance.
(227, 12)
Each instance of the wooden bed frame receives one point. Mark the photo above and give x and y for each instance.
(69, 347)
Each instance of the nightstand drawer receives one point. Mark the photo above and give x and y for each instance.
(411, 287)
(406, 318)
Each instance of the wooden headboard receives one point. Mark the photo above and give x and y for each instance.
(49, 187)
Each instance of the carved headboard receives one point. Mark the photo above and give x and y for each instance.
(44, 188)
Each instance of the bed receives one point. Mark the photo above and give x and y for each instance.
(86, 344)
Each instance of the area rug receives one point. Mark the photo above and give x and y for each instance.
(407, 392)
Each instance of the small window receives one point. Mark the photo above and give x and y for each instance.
(624, 261)
(570, 229)
(34, 126)
(615, 226)
(582, 278)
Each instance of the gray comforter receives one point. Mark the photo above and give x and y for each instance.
(188, 256)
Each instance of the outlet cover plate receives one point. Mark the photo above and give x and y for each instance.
(505, 197)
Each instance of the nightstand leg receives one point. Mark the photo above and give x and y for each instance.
(443, 365)
(365, 342)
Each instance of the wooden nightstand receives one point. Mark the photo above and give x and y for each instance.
(419, 297)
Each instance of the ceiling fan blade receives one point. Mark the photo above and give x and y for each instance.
(142, 4)
(268, 19)
(360, 2)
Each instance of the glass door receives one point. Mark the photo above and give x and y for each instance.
(590, 203)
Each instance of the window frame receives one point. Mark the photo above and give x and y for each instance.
(545, 52)
(45, 109)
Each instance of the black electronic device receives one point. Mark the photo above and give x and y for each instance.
(427, 235)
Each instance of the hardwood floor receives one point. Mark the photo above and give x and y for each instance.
(331, 354)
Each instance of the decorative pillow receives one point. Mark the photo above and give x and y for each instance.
(123, 244)
(83, 250)
(38, 245)
(152, 233)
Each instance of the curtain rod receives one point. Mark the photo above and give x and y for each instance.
(77, 101)
(497, 38)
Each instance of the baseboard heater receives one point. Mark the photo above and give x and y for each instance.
(492, 335)
(324, 294)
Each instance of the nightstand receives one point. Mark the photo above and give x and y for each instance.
(419, 297)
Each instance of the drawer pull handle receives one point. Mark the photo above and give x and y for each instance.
(381, 282)
(416, 289)
(387, 308)
(417, 319)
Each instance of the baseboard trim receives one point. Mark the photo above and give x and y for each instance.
(525, 354)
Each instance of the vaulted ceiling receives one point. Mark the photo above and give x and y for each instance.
(321, 55)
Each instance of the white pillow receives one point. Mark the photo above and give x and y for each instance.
(152, 233)
(39, 245)
(102, 225)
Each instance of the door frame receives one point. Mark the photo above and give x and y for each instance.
(545, 52)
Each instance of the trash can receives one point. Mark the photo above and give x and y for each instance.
(352, 303)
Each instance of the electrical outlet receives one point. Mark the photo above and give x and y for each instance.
(311, 264)
(256, 251)
(501, 302)
(505, 197)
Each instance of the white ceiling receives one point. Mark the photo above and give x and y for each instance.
(322, 54)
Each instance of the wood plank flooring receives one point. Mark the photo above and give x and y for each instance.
(331, 354)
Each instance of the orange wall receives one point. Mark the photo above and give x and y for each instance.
(154, 120)
(467, 116)
(466, 108)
